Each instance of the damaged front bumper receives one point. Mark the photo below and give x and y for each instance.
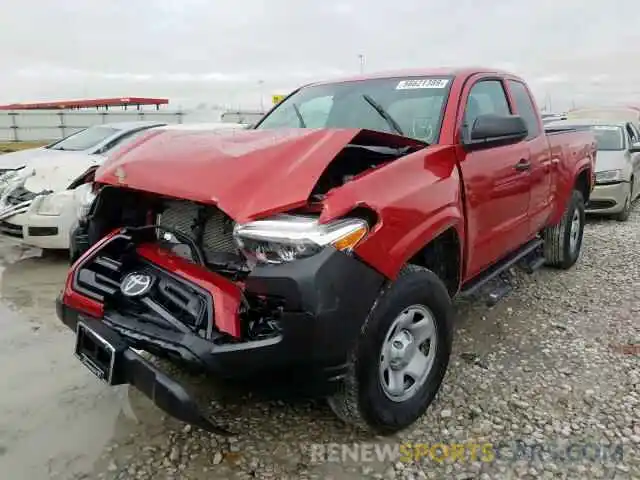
(27, 224)
(109, 357)
(608, 198)
(324, 300)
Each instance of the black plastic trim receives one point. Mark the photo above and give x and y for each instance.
(42, 231)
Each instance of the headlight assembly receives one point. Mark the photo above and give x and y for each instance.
(14, 177)
(53, 204)
(609, 176)
(285, 238)
(7, 176)
(84, 195)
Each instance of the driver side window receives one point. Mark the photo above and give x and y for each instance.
(117, 141)
(485, 97)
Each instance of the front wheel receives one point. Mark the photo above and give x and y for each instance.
(563, 242)
(623, 216)
(401, 356)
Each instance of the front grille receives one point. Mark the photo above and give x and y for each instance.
(43, 231)
(600, 204)
(20, 195)
(217, 235)
(10, 229)
(172, 303)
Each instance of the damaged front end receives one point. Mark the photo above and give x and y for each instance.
(182, 280)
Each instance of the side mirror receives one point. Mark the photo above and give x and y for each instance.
(634, 148)
(493, 130)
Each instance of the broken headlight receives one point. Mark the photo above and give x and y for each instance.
(609, 176)
(285, 238)
(84, 196)
(53, 204)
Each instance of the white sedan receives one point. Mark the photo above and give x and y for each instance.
(40, 204)
(96, 140)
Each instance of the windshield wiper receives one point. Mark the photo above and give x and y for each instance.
(299, 115)
(383, 113)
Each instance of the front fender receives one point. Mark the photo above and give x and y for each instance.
(415, 198)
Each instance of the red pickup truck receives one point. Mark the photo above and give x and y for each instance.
(325, 243)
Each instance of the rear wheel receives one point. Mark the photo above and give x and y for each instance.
(563, 242)
(401, 356)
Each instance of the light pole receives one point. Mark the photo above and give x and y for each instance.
(361, 58)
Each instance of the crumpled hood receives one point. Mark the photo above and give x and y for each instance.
(55, 173)
(246, 173)
(9, 161)
(611, 160)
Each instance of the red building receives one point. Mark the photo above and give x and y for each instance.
(106, 103)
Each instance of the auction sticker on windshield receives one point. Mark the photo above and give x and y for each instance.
(422, 83)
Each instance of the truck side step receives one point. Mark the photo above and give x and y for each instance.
(534, 264)
(492, 272)
(502, 290)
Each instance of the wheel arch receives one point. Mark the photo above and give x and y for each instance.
(583, 183)
(442, 254)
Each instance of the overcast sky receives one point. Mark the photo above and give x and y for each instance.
(204, 52)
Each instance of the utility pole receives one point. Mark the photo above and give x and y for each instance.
(361, 59)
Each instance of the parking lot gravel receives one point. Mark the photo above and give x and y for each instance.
(544, 377)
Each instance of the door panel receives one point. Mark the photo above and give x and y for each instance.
(541, 197)
(497, 193)
(497, 203)
(541, 200)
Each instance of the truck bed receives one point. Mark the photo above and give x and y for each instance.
(565, 142)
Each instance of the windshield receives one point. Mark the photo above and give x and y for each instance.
(609, 137)
(412, 106)
(84, 139)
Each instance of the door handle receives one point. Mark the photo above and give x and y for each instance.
(523, 165)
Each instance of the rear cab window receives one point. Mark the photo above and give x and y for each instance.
(525, 108)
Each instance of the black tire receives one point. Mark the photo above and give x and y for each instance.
(623, 216)
(361, 400)
(557, 238)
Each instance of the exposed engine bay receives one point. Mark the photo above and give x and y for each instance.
(367, 151)
(200, 233)
(352, 161)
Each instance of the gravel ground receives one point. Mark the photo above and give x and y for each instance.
(539, 370)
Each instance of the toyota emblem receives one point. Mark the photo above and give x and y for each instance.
(136, 284)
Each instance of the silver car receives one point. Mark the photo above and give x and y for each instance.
(617, 165)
